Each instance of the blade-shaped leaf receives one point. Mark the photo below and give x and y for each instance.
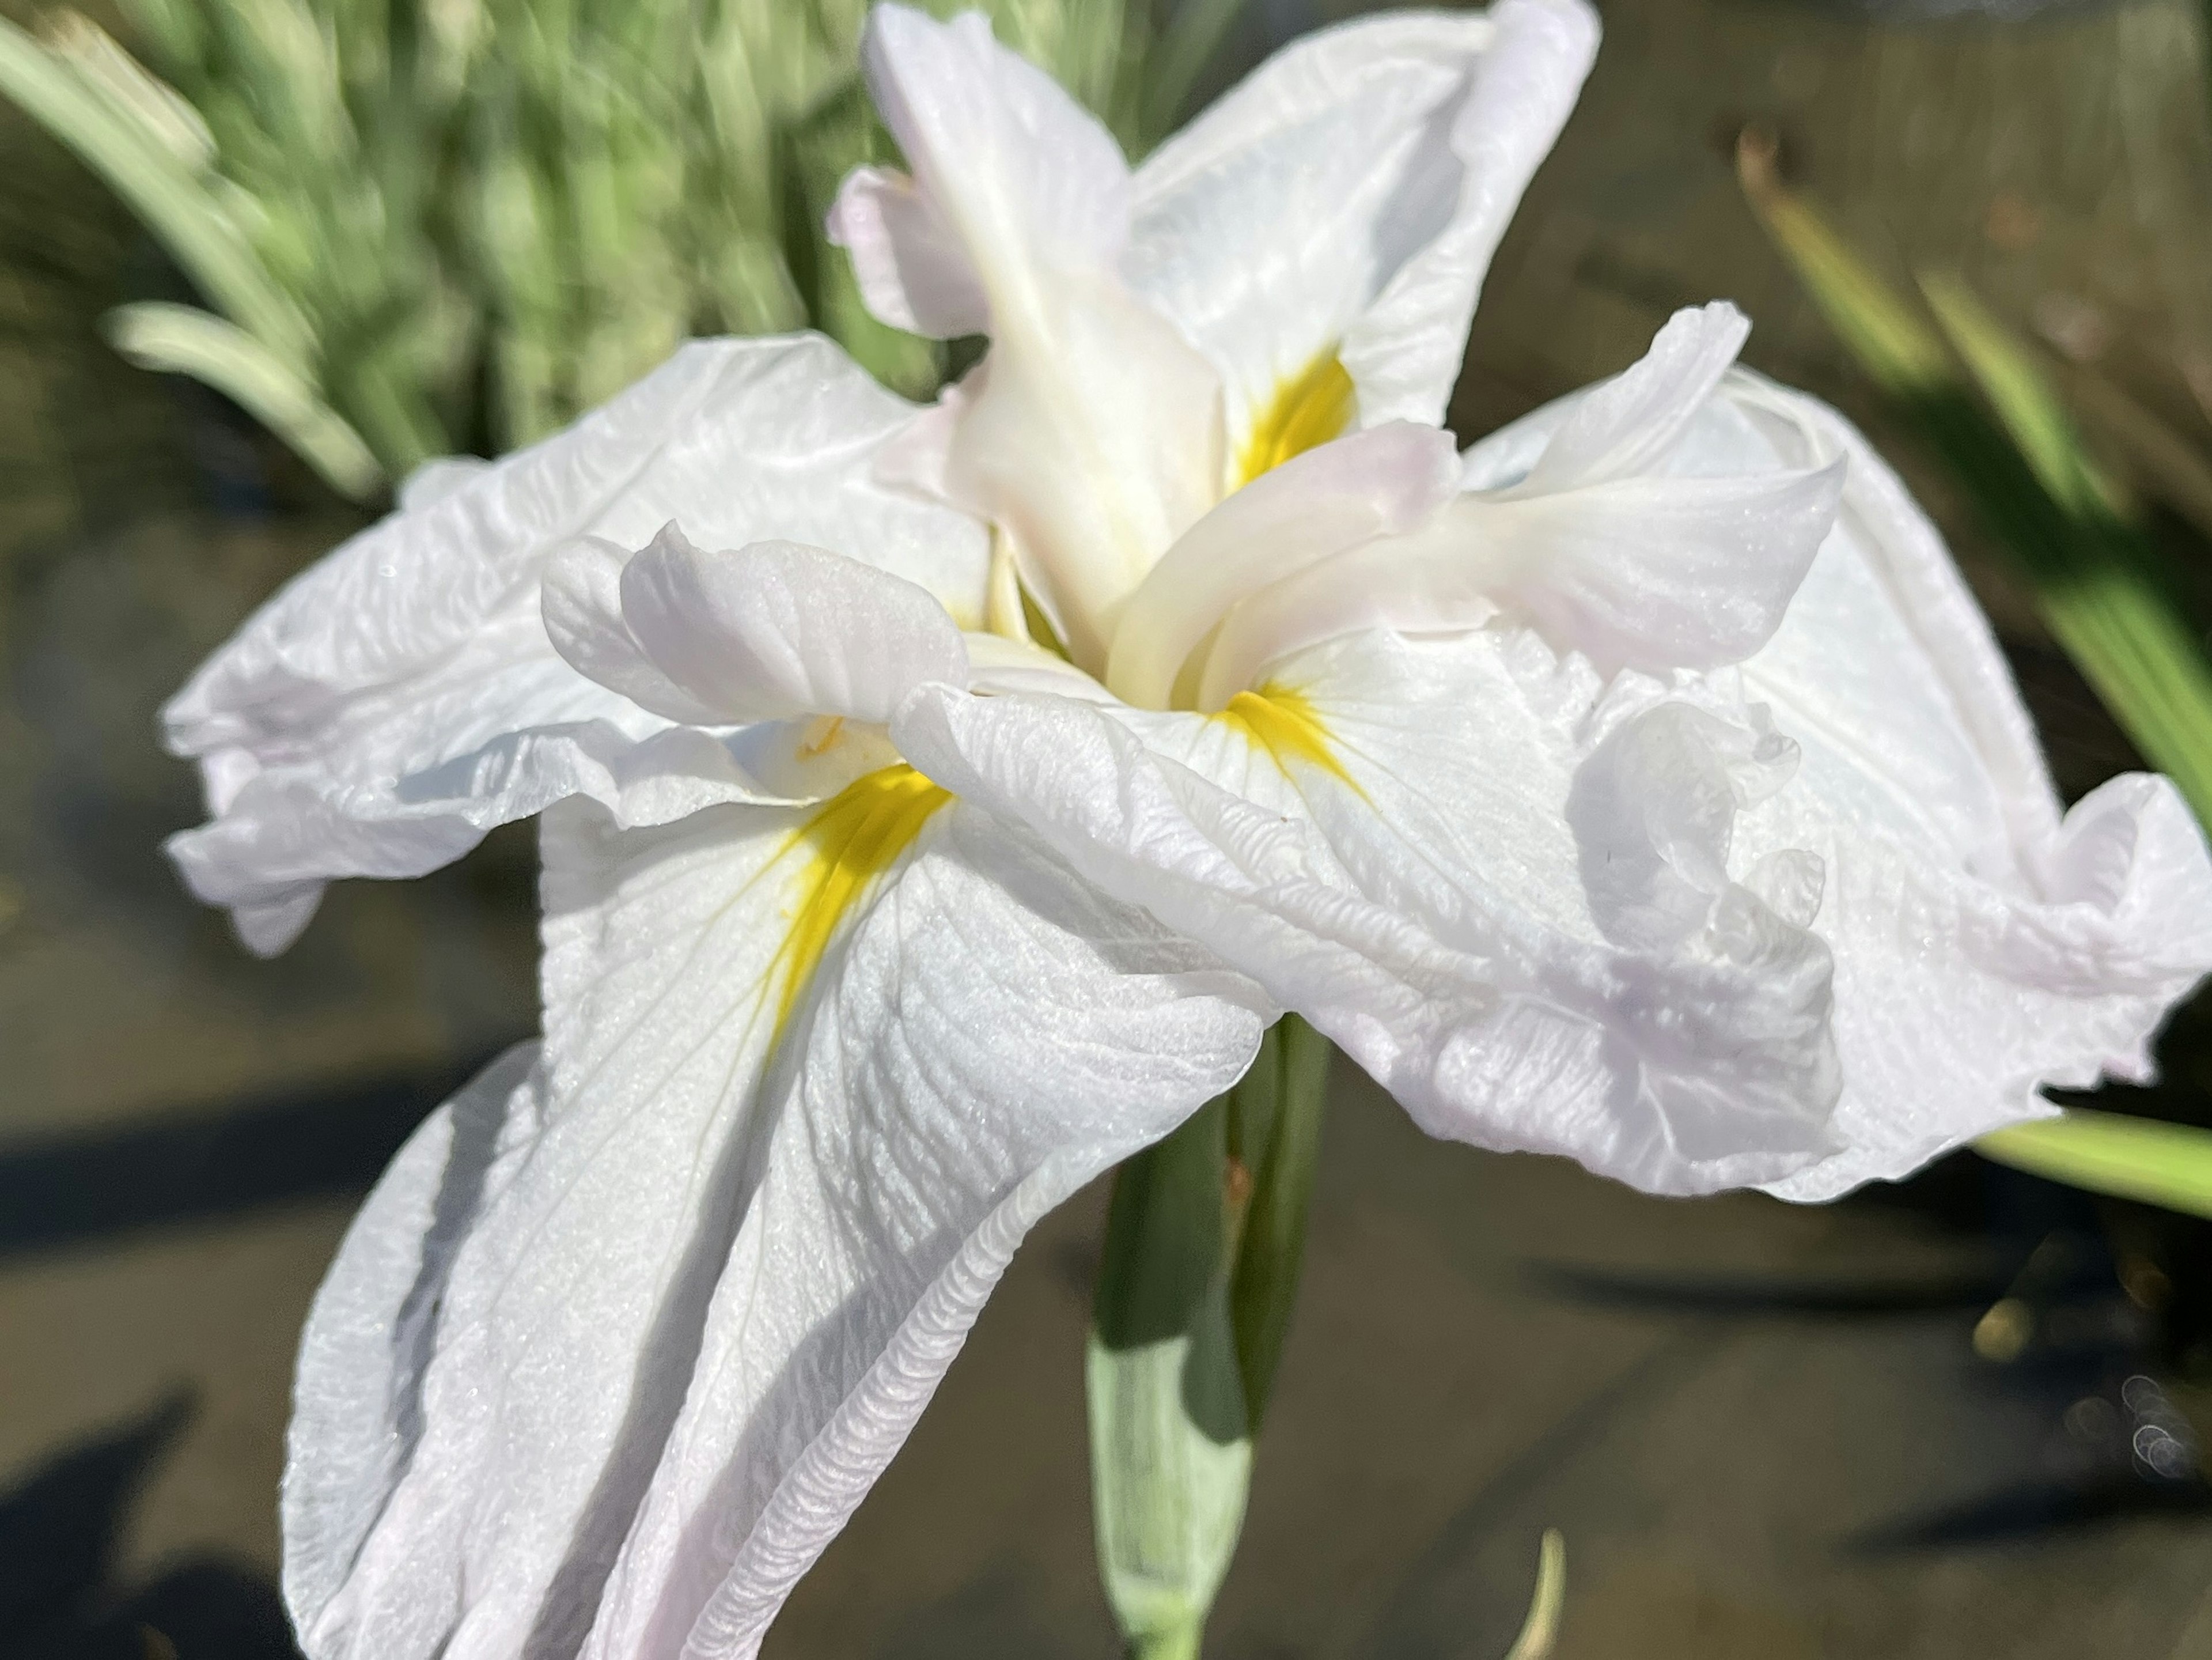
(2114, 1153)
(115, 140)
(1540, 1630)
(184, 340)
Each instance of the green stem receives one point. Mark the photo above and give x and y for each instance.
(1179, 1644)
(1204, 1238)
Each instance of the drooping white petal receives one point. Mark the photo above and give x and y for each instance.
(1348, 196)
(1401, 854)
(356, 1400)
(1327, 501)
(1608, 541)
(767, 1192)
(1977, 956)
(1983, 946)
(1091, 433)
(392, 704)
(770, 632)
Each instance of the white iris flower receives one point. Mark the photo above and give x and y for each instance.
(1641, 786)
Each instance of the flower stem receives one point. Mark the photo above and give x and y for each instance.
(1179, 1643)
(1203, 1243)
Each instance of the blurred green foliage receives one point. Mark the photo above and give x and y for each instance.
(423, 227)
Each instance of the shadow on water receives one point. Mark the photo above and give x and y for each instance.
(2037, 1510)
(1763, 1296)
(60, 1598)
(333, 1141)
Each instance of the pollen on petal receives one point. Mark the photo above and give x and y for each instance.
(1284, 722)
(852, 839)
(1308, 408)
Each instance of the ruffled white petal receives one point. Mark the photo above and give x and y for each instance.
(770, 632)
(1348, 196)
(655, 1369)
(401, 697)
(1425, 896)
(1984, 946)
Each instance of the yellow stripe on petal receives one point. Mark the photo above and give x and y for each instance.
(853, 838)
(1308, 408)
(1285, 723)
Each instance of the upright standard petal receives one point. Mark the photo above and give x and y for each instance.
(1337, 210)
(779, 1151)
(401, 697)
(1091, 433)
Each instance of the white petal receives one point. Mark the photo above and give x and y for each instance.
(999, 1034)
(912, 271)
(1010, 173)
(1424, 894)
(1348, 195)
(1324, 502)
(770, 632)
(1601, 540)
(437, 478)
(998, 664)
(1631, 425)
(1656, 574)
(673, 1350)
(581, 603)
(402, 696)
(1983, 947)
(1091, 432)
(356, 1404)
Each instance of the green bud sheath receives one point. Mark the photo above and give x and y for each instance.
(1203, 1243)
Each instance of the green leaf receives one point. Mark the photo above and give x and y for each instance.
(1892, 345)
(1288, 1087)
(1540, 1630)
(1170, 1445)
(1203, 1245)
(2023, 399)
(2113, 1154)
(1192, 41)
(115, 139)
(184, 340)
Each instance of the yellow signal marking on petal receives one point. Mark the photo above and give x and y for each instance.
(852, 839)
(1283, 722)
(1309, 408)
